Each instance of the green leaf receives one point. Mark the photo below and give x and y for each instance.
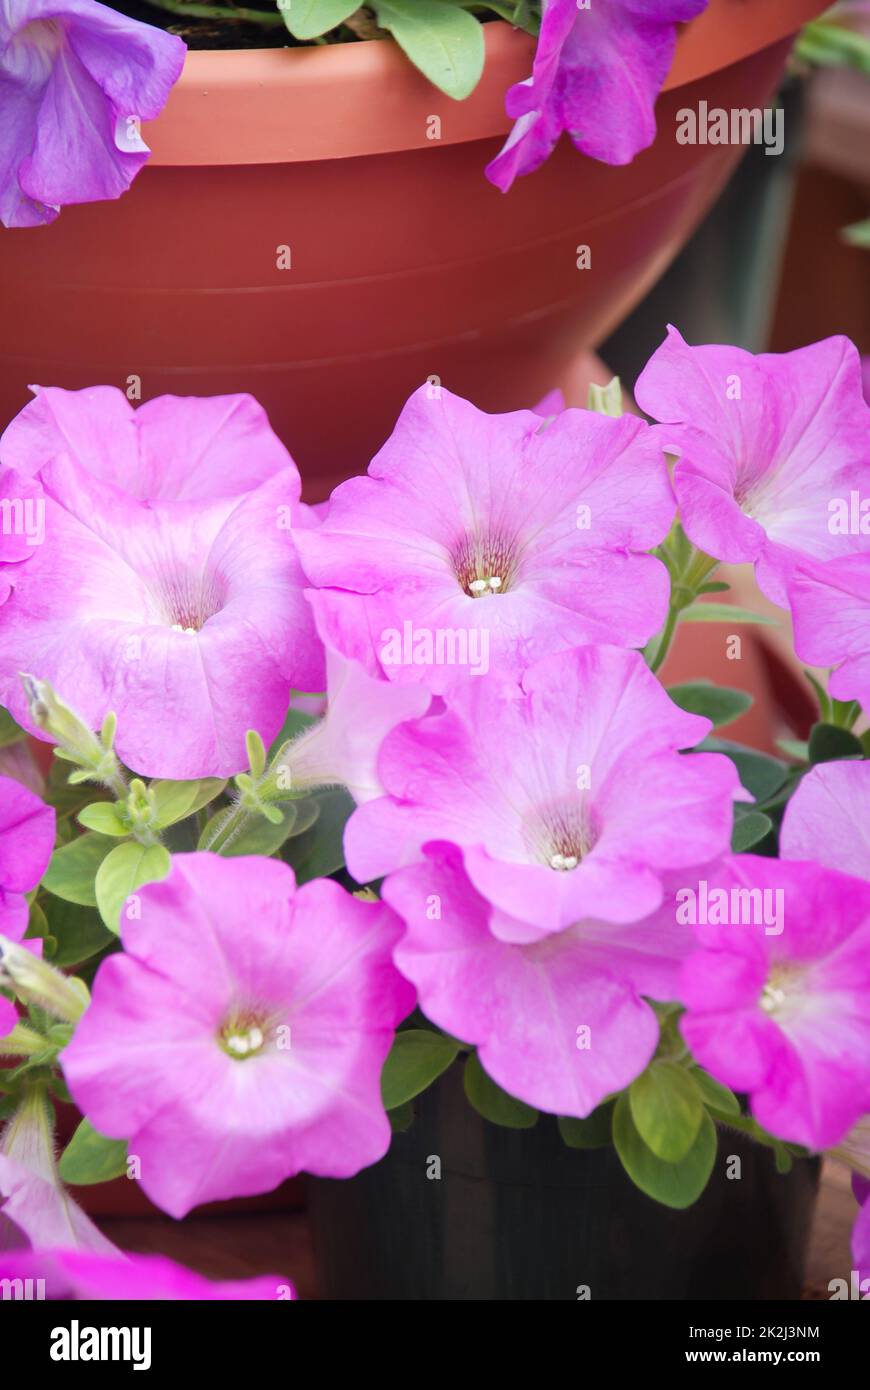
(105, 818)
(715, 586)
(10, 732)
(443, 41)
(675, 1185)
(595, 1132)
(78, 932)
(417, 1057)
(308, 19)
(858, 234)
(126, 868)
(714, 1095)
(667, 1109)
(724, 613)
(402, 1117)
(90, 1158)
(824, 699)
(750, 827)
(719, 703)
(761, 775)
(795, 748)
(319, 852)
(494, 1104)
(175, 801)
(827, 743)
(72, 869)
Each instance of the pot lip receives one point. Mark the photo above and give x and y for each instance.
(237, 106)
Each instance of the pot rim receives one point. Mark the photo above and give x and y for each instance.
(236, 106)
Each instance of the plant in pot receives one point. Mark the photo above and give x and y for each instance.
(313, 224)
(506, 945)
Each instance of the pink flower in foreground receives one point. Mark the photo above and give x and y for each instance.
(565, 793)
(74, 1275)
(171, 449)
(186, 618)
(596, 75)
(827, 821)
(559, 1020)
(771, 450)
(76, 80)
(830, 607)
(481, 541)
(240, 1036)
(785, 1016)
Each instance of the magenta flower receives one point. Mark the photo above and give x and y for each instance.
(481, 541)
(861, 1233)
(171, 449)
(240, 1036)
(566, 793)
(772, 449)
(830, 606)
(597, 72)
(76, 80)
(827, 821)
(26, 842)
(76, 1275)
(559, 1020)
(186, 618)
(784, 1014)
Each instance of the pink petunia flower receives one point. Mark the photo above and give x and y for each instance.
(597, 72)
(487, 541)
(772, 449)
(342, 747)
(827, 821)
(565, 793)
(170, 449)
(76, 1275)
(830, 606)
(785, 1014)
(76, 81)
(240, 1036)
(559, 1020)
(184, 617)
(26, 843)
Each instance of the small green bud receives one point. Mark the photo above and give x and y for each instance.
(606, 400)
(34, 981)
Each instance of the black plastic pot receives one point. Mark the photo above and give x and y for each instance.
(517, 1215)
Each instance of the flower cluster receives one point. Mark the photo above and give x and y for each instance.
(495, 833)
(78, 79)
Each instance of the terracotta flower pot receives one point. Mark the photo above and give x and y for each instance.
(299, 234)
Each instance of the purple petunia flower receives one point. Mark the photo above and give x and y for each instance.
(166, 586)
(827, 820)
(565, 793)
(559, 1020)
(830, 606)
(77, 1275)
(487, 541)
(772, 449)
(76, 81)
(597, 72)
(240, 1037)
(785, 1014)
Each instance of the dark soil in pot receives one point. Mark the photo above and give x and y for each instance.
(517, 1215)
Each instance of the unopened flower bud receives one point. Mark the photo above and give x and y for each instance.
(36, 982)
(606, 400)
